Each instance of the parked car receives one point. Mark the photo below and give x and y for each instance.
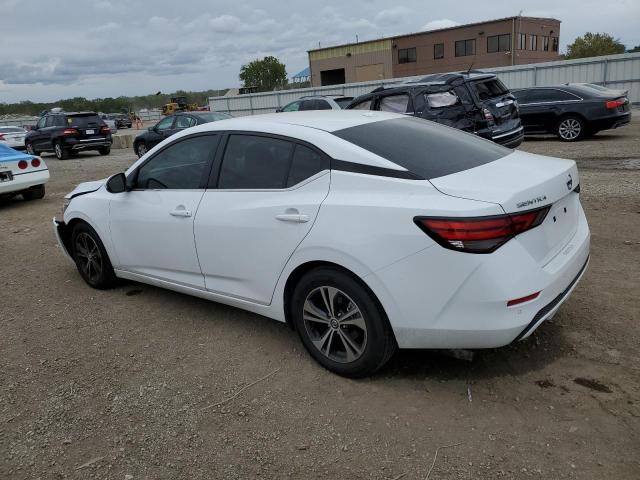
(110, 122)
(22, 174)
(317, 102)
(122, 120)
(12, 136)
(67, 133)
(364, 231)
(572, 111)
(173, 124)
(474, 102)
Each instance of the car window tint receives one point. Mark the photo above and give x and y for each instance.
(343, 102)
(50, 121)
(426, 149)
(306, 163)
(83, 121)
(292, 107)
(307, 105)
(42, 122)
(490, 88)
(322, 105)
(184, 122)
(366, 105)
(180, 165)
(255, 162)
(394, 103)
(165, 123)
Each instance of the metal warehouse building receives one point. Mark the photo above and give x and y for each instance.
(494, 43)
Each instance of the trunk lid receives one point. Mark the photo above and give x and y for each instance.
(523, 181)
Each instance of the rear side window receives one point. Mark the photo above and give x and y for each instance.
(306, 163)
(424, 148)
(255, 162)
(322, 105)
(185, 122)
(395, 103)
(442, 99)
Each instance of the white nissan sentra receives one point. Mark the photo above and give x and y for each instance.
(364, 231)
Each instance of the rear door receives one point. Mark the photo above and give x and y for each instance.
(263, 198)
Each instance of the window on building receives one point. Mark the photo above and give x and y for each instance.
(555, 44)
(545, 44)
(407, 55)
(499, 43)
(465, 47)
(438, 51)
(533, 42)
(522, 41)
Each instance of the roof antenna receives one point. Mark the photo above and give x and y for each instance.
(470, 66)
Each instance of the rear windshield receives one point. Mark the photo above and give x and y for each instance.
(490, 88)
(84, 120)
(422, 147)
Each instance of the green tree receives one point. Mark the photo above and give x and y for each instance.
(265, 74)
(634, 49)
(593, 45)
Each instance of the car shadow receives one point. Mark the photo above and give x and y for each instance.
(603, 136)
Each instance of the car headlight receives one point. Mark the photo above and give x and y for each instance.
(65, 204)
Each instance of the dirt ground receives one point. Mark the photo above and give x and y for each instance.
(116, 384)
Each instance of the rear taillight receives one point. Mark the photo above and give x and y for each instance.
(23, 164)
(105, 129)
(70, 131)
(1, 136)
(480, 234)
(615, 103)
(488, 116)
(35, 163)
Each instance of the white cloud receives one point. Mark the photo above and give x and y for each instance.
(437, 24)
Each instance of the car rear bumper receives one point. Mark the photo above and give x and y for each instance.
(24, 181)
(510, 139)
(88, 143)
(616, 121)
(443, 299)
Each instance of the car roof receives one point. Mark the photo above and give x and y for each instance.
(72, 113)
(581, 90)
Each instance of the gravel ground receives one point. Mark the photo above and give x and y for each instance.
(116, 384)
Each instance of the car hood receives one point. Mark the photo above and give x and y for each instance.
(86, 187)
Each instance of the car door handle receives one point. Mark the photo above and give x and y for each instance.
(293, 217)
(180, 212)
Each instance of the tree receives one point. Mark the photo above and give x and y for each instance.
(593, 45)
(634, 49)
(265, 74)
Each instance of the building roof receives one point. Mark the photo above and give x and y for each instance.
(304, 73)
(484, 22)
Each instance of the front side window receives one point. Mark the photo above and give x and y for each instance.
(179, 166)
(407, 55)
(252, 162)
(164, 124)
(366, 105)
(438, 51)
(395, 103)
(292, 107)
(533, 42)
(42, 122)
(465, 48)
(499, 43)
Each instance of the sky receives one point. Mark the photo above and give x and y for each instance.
(53, 49)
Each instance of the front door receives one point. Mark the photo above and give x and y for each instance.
(152, 225)
(268, 194)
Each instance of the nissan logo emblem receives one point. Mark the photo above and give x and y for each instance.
(569, 182)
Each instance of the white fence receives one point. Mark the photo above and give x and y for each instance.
(145, 115)
(620, 72)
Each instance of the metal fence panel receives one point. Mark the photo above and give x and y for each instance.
(621, 72)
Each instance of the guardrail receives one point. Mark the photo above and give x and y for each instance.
(621, 72)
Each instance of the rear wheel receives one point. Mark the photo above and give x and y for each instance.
(141, 149)
(61, 152)
(341, 323)
(34, 193)
(570, 129)
(91, 257)
(104, 150)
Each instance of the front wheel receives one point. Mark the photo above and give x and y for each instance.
(31, 150)
(104, 150)
(570, 129)
(341, 323)
(61, 152)
(91, 258)
(141, 149)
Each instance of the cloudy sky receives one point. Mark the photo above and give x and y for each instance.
(52, 49)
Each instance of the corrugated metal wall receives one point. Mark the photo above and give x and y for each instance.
(620, 72)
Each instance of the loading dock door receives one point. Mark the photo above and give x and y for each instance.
(366, 73)
(332, 77)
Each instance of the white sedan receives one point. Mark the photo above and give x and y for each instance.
(13, 136)
(22, 174)
(364, 231)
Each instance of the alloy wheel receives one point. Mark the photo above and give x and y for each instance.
(335, 324)
(88, 256)
(58, 150)
(569, 129)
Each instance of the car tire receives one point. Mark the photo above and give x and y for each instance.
(104, 150)
(31, 150)
(60, 152)
(351, 337)
(141, 149)
(571, 128)
(34, 193)
(91, 258)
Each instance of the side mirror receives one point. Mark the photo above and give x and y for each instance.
(117, 183)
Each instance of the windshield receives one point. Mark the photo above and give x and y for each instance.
(424, 148)
(490, 88)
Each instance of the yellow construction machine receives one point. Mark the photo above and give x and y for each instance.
(178, 104)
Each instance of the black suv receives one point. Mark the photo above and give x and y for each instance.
(475, 102)
(170, 125)
(122, 120)
(67, 133)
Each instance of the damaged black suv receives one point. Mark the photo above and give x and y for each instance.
(475, 102)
